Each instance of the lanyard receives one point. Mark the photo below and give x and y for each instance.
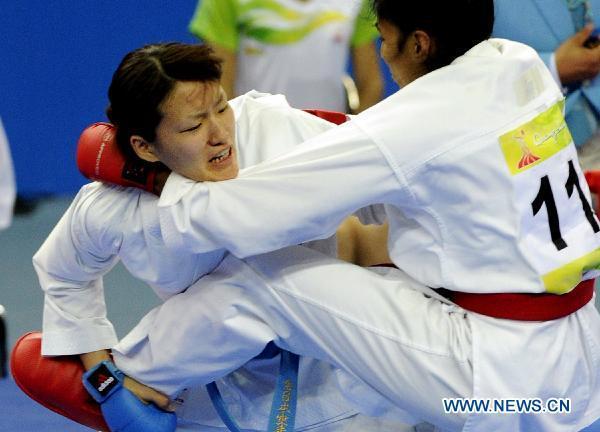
(283, 408)
(588, 15)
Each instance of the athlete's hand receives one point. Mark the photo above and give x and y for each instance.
(148, 394)
(122, 409)
(143, 392)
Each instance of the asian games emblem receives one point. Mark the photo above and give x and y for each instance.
(528, 157)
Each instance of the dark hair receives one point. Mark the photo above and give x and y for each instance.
(455, 25)
(143, 80)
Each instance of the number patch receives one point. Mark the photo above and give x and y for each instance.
(558, 226)
(546, 198)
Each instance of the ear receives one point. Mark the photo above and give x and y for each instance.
(423, 45)
(143, 148)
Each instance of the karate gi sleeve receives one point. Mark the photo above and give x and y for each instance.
(301, 196)
(70, 265)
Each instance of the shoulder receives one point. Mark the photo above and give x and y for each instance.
(254, 111)
(254, 106)
(266, 126)
(493, 71)
(106, 199)
(101, 209)
(253, 100)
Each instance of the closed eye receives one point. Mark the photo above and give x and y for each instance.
(193, 128)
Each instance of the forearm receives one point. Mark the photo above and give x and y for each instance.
(367, 74)
(75, 319)
(342, 163)
(142, 392)
(70, 275)
(229, 69)
(91, 359)
(369, 94)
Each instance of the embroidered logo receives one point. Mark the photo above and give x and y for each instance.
(528, 157)
(535, 141)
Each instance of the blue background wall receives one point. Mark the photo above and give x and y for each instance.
(57, 58)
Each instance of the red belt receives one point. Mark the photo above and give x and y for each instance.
(524, 306)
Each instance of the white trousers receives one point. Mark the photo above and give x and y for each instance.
(393, 343)
(405, 348)
(355, 423)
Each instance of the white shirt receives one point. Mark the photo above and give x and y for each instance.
(309, 70)
(297, 48)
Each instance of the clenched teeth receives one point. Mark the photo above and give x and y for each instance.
(221, 155)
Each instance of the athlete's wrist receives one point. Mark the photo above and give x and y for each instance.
(91, 359)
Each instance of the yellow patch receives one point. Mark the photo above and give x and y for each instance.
(565, 278)
(536, 141)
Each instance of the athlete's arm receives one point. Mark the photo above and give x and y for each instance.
(70, 266)
(301, 196)
(229, 68)
(367, 74)
(143, 392)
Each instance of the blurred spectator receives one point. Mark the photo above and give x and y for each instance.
(561, 32)
(7, 199)
(7, 181)
(295, 47)
(3, 344)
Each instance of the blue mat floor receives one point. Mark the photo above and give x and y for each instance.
(127, 300)
(18, 413)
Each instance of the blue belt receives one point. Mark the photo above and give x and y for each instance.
(283, 409)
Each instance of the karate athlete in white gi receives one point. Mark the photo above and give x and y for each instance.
(208, 138)
(485, 198)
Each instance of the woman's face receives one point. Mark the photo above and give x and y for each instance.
(196, 136)
(402, 56)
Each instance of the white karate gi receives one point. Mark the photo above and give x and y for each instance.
(470, 161)
(8, 190)
(107, 223)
